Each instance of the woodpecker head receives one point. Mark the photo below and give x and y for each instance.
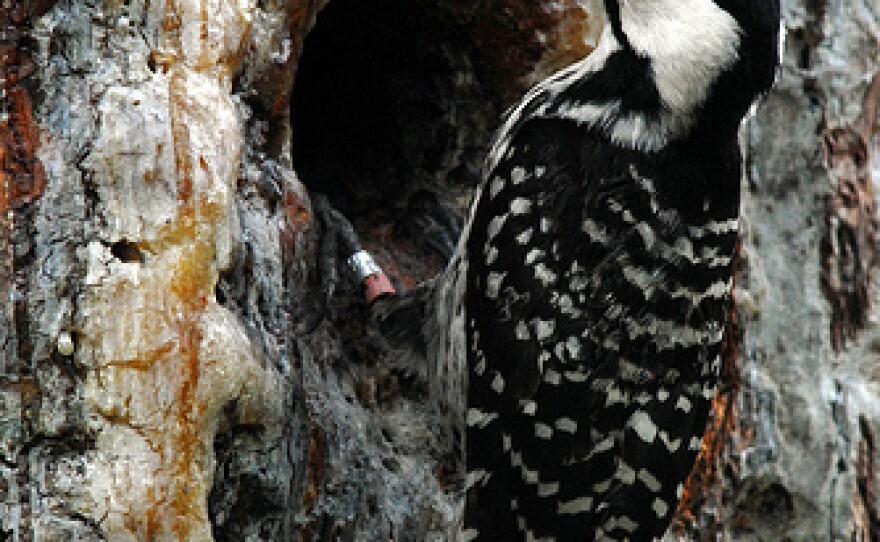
(700, 57)
(664, 70)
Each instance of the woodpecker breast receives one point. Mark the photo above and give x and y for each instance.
(594, 316)
(589, 291)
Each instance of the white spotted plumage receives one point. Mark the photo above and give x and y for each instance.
(577, 330)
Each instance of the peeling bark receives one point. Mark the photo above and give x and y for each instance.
(849, 248)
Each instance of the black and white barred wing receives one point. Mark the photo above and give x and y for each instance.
(590, 349)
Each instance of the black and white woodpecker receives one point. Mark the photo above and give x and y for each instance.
(575, 337)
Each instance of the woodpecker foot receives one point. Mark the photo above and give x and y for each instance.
(339, 242)
(430, 224)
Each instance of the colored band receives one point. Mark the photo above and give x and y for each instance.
(378, 286)
(363, 265)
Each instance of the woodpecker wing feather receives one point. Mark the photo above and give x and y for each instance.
(583, 311)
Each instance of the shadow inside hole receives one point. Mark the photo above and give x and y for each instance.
(128, 252)
(386, 102)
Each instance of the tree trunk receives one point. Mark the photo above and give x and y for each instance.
(175, 363)
(800, 458)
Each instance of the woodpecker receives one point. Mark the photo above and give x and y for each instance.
(574, 340)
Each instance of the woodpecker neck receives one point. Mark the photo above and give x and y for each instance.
(667, 56)
(689, 43)
(660, 70)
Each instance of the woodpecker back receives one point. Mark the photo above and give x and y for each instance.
(587, 299)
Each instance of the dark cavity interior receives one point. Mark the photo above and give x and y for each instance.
(387, 103)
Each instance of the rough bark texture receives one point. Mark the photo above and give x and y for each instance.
(800, 460)
(171, 367)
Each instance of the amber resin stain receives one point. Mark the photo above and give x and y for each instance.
(192, 283)
(22, 176)
(167, 360)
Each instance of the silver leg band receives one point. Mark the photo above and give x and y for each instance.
(363, 265)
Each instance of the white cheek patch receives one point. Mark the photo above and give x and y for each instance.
(686, 60)
(686, 57)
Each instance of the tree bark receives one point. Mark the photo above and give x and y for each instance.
(800, 455)
(171, 366)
